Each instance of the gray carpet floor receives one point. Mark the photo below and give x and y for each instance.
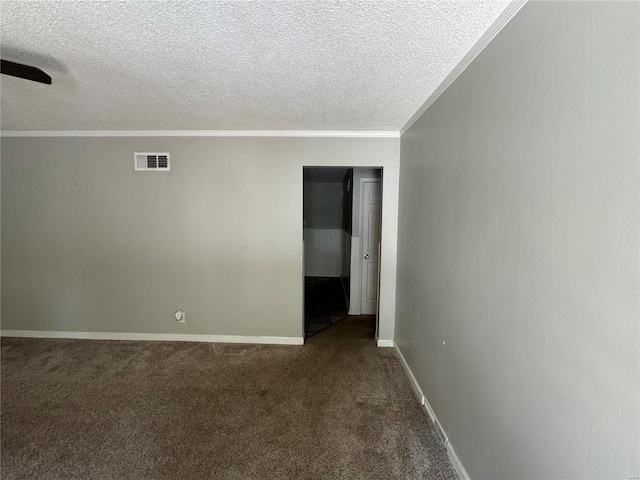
(335, 408)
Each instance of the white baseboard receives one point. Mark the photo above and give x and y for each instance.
(156, 337)
(384, 343)
(457, 464)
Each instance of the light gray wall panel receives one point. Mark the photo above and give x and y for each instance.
(323, 205)
(90, 245)
(517, 304)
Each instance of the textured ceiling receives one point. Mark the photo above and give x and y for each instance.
(232, 65)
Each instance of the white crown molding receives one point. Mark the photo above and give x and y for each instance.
(156, 337)
(201, 133)
(484, 40)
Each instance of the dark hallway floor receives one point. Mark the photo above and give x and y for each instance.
(324, 303)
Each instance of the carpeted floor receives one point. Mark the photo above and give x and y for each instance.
(335, 408)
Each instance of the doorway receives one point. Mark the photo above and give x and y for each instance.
(341, 242)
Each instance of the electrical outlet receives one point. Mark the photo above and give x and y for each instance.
(180, 316)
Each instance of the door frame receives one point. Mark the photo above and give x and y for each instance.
(385, 317)
(363, 181)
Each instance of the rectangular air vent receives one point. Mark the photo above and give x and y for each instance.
(152, 162)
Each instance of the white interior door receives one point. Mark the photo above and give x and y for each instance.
(370, 234)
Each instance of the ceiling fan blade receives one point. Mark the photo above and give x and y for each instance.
(24, 71)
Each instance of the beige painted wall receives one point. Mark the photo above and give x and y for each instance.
(518, 248)
(90, 245)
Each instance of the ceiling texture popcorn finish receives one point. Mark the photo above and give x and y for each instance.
(230, 65)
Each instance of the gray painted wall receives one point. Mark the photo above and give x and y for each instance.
(517, 306)
(323, 205)
(90, 245)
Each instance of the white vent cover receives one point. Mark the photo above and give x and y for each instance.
(152, 162)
